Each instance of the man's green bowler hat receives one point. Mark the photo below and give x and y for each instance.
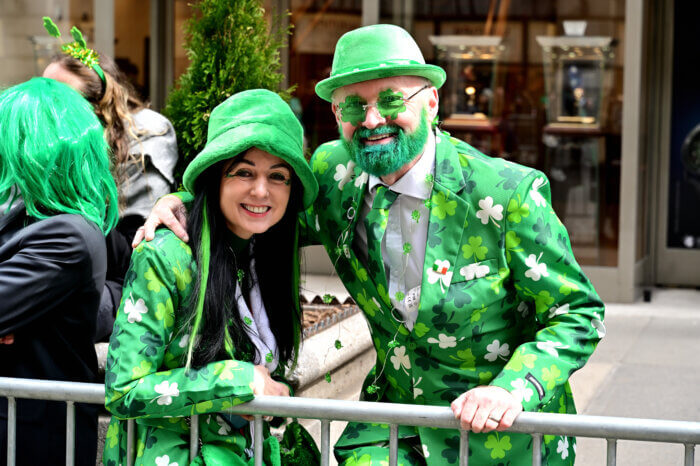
(373, 52)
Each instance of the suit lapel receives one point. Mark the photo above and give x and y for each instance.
(448, 214)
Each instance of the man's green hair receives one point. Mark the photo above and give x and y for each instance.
(52, 149)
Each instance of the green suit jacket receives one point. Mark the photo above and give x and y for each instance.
(503, 301)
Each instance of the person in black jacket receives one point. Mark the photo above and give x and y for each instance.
(59, 201)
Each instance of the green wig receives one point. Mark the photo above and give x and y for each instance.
(52, 149)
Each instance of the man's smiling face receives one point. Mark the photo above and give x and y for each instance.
(382, 141)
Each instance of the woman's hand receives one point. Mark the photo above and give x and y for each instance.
(263, 384)
(168, 211)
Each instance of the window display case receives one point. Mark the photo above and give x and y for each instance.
(577, 85)
(576, 80)
(471, 100)
(471, 63)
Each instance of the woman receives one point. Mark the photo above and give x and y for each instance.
(144, 152)
(52, 258)
(200, 330)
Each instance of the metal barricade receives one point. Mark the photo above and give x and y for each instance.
(536, 424)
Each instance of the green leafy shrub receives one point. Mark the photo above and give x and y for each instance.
(231, 48)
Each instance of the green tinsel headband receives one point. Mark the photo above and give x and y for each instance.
(77, 49)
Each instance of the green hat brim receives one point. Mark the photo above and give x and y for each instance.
(434, 74)
(241, 138)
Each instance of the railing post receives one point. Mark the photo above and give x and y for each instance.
(393, 444)
(463, 448)
(325, 441)
(129, 442)
(689, 454)
(194, 437)
(536, 449)
(612, 452)
(258, 430)
(11, 430)
(70, 433)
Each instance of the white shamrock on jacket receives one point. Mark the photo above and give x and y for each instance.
(224, 428)
(551, 347)
(400, 359)
(563, 447)
(521, 392)
(165, 461)
(535, 194)
(489, 211)
(496, 350)
(598, 325)
(444, 341)
(343, 173)
(440, 271)
(472, 271)
(167, 392)
(536, 269)
(134, 309)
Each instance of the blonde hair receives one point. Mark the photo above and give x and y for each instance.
(114, 103)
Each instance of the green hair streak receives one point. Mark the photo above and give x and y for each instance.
(53, 151)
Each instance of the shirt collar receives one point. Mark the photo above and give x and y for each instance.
(414, 182)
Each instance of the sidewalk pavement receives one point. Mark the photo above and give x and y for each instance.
(647, 366)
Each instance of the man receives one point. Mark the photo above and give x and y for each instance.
(464, 272)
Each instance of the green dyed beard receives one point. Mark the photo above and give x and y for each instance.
(383, 159)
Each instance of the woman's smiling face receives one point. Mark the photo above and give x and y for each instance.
(254, 192)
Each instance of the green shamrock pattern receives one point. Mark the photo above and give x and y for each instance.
(145, 378)
(503, 302)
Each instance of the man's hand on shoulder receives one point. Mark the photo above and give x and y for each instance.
(486, 408)
(168, 211)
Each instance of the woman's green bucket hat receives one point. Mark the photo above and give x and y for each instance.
(377, 51)
(254, 118)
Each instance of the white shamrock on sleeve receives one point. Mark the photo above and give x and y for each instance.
(536, 269)
(535, 194)
(521, 392)
(167, 392)
(134, 309)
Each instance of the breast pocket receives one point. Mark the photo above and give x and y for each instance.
(475, 270)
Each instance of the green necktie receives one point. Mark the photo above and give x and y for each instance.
(375, 225)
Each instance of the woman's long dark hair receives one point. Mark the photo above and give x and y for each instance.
(276, 264)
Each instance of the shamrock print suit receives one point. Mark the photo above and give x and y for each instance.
(503, 302)
(145, 376)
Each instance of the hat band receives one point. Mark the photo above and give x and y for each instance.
(374, 65)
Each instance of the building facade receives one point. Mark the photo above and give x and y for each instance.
(598, 94)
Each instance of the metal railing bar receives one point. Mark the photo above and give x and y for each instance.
(689, 454)
(536, 449)
(393, 444)
(11, 430)
(194, 437)
(70, 433)
(258, 448)
(581, 425)
(652, 430)
(130, 435)
(611, 452)
(325, 442)
(463, 448)
(53, 390)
